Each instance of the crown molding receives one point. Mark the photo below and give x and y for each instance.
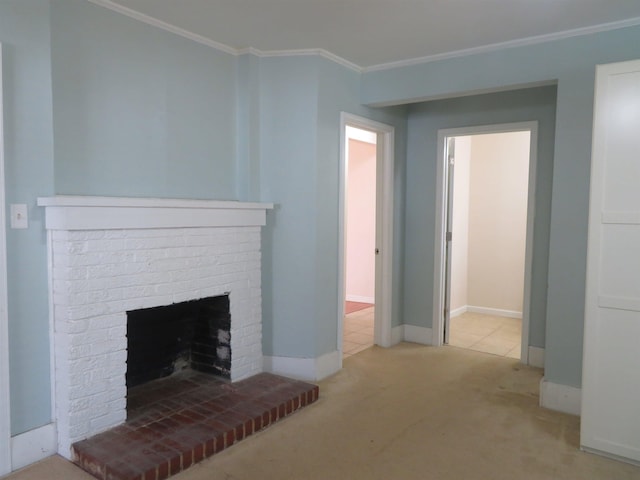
(309, 52)
(109, 4)
(604, 27)
(116, 7)
(493, 47)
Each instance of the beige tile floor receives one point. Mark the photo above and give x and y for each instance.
(357, 332)
(487, 333)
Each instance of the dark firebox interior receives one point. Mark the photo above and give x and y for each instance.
(165, 340)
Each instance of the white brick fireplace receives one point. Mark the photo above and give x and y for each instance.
(111, 255)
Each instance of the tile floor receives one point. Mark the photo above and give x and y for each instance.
(357, 332)
(487, 333)
(475, 331)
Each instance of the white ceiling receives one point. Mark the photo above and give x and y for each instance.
(374, 32)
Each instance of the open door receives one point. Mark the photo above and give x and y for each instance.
(445, 262)
(384, 225)
(450, 155)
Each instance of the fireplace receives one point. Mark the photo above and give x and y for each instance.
(113, 256)
(165, 340)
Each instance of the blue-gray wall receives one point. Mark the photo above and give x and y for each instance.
(571, 62)
(97, 103)
(24, 34)
(301, 100)
(425, 119)
(139, 111)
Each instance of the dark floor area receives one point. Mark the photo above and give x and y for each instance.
(180, 420)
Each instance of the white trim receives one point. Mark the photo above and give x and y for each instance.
(5, 409)
(103, 213)
(439, 259)
(109, 4)
(52, 336)
(422, 335)
(33, 446)
(141, 17)
(145, 202)
(309, 369)
(458, 311)
(360, 299)
(494, 47)
(497, 312)
(307, 52)
(397, 334)
(562, 398)
(116, 7)
(618, 458)
(366, 136)
(384, 225)
(536, 357)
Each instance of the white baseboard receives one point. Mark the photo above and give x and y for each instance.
(536, 357)
(415, 334)
(494, 311)
(33, 446)
(359, 298)
(309, 369)
(562, 398)
(397, 334)
(458, 311)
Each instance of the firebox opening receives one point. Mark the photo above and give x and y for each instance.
(168, 339)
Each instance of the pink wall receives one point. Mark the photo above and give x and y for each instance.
(361, 222)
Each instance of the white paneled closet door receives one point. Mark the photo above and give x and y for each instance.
(611, 365)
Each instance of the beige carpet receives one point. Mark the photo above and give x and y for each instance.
(409, 412)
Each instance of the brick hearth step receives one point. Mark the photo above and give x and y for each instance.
(180, 420)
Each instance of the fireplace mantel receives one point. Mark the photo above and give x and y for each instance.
(71, 212)
(112, 255)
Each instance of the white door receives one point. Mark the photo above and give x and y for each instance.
(448, 240)
(5, 454)
(384, 224)
(611, 364)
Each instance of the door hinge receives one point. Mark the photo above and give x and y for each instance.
(449, 236)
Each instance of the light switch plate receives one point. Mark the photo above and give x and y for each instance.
(19, 218)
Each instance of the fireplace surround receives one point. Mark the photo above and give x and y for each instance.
(111, 255)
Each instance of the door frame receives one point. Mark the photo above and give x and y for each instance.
(384, 225)
(5, 412)
(440, 227)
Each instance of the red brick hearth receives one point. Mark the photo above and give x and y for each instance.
(180, 420)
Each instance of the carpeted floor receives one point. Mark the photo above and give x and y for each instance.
(409, 412)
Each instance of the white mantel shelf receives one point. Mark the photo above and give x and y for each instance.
(71, 212)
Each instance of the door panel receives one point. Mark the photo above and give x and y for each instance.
(611, 377)
(451, 152)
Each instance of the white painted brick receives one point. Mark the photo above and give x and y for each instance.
(153, 242)
(100, 275)
(114, 234)
(104, 245)
(69, 273)
(106, 422)
(86, 234)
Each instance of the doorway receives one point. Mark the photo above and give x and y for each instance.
(366, 233)
(486, 178)
(5, 431)
(360, 242)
